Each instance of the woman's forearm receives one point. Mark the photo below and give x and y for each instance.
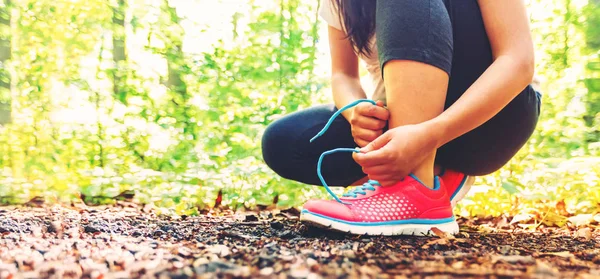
(346, 89)
(496, 88)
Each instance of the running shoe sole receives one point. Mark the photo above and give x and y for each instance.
(416, 227)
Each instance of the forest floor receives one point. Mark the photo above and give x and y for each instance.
(126, 240)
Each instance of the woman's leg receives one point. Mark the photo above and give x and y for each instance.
(458, 43)
(287, 151)
(492, 145)
(415, 51)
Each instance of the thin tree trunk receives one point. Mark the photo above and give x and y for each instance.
(5, 56)
(566, 48)
(119, 57)
(175, 64)
(592, 98)
(118, 79)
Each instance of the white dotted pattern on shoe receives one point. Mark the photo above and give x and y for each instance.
(386, 207)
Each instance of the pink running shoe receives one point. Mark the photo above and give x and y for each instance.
(407, 208)
(457, 184)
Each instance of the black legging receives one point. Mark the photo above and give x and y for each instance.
(448, 34)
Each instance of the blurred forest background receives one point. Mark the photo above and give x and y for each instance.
(168, 99)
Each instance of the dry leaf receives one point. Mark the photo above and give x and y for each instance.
(441, 234)
(561, 208)
(563, 254)
(36, 202)
(582, 219)
(438, 241)
(219, 199)
(584, 233)
(552, 219)
(521, 218)
(513, 259)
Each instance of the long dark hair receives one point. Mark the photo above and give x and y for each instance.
(358, 21)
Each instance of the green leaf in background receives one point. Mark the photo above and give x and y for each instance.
(510, 188)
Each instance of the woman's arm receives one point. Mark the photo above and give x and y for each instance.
(367, 121)
(345, 78)
(507, 25)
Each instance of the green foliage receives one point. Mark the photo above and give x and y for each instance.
(131, 95)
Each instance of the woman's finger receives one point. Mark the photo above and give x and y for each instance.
(378, 143)
(360, 142)
(369, 123)
(365, 134)
(377, 112)
(373, 158)
(378, 170)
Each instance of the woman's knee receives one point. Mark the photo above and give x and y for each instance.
(273, 146)
(479, 157)
(417, 30)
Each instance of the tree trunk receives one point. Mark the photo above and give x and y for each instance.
(175, 82)
(5, 56)
(119, 57)
(593, 80)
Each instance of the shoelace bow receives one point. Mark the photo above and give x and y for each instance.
(361, 190)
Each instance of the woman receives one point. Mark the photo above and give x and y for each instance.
(453, 100)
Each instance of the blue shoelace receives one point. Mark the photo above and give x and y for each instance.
(361, 190)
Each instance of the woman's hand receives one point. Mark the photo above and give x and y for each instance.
(367, 121)
(395, 154)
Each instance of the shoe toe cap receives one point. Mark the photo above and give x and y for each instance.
(329, 209)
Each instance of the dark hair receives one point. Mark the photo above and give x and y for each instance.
(358, 21)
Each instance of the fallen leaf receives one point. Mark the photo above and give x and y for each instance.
(513, 259)
(521, 218)
(291, 212)
(562, 254)
(581, 219)
(584, 233)
(561, 208)
(552, 219)
(438, 241)
(125, 195)
(219, 199)
(441, 234)
(36, 202)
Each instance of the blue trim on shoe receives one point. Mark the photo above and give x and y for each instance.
(398, 222)
(436, 181)
(462, 183)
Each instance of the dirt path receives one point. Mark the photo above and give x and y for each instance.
(124, 241)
